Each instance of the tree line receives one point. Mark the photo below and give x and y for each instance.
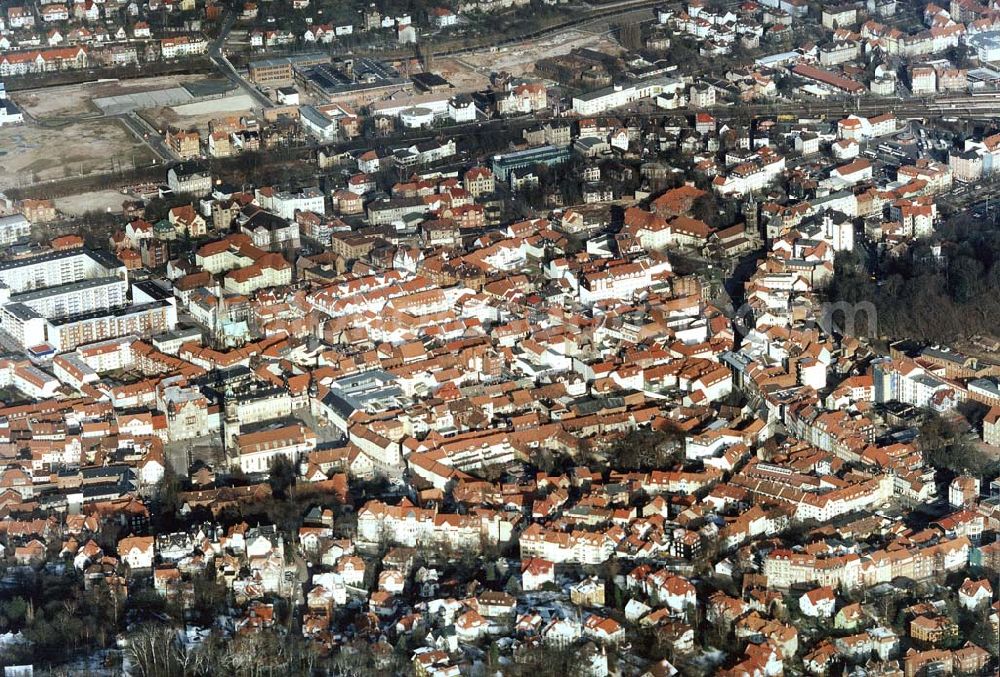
(941, 291)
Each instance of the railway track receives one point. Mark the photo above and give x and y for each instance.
(986, 106)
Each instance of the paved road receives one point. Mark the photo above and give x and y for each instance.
(974, 197)
(986, 106)
(151, 137)
(218, 57)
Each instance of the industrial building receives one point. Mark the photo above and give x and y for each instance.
(281, 70)
(348, 76)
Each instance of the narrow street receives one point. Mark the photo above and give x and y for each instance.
(217, 54)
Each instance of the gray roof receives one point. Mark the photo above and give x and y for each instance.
(315, 117)
(13, 220)
(69, 288)
(20, 311)
(123, 311)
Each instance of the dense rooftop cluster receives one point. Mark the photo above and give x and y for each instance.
(598, 389)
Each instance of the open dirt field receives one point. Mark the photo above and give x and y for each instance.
(198, 114)
(462, 76)
(70, 100)
(32, 154)
(100, 200)
(520, 59)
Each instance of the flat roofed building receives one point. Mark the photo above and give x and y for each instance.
(57, 268)
(281, 70)
(75, 297)
(503, 165)
(13, 228)
(143, 319)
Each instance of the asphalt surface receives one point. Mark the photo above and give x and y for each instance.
(218, 57)
(143, 131)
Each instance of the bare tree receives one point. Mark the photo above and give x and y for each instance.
(631, 36)
(154, 651)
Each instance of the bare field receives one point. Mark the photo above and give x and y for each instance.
(198, 114)
(520, 59)
(99, 200)
(461, 75)
(32, 154)
(71, 100)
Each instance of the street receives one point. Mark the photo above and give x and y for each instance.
(218, 57)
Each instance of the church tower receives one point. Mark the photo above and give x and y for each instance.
(751, 227)
(231, 427)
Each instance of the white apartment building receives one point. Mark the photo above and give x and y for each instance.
(582, 547)
(859, 128)
(189, 178)
(172, 48)
(852, 173)
(84, 296)
(22, 324)
(15, 226)
(73, 371)
(108, 355)
(907, 382)
(271, 270)
(171, 342)
(750, 176)
(462, 109)
(286, 203)
(270, 232)
(845, 202)
(837, 230)
(57, 268)
(410, 526)
(596, 102)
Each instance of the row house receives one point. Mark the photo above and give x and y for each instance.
(785, 568)
(578, 547)
(410, 526)
(43, 61)
(182, 46)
